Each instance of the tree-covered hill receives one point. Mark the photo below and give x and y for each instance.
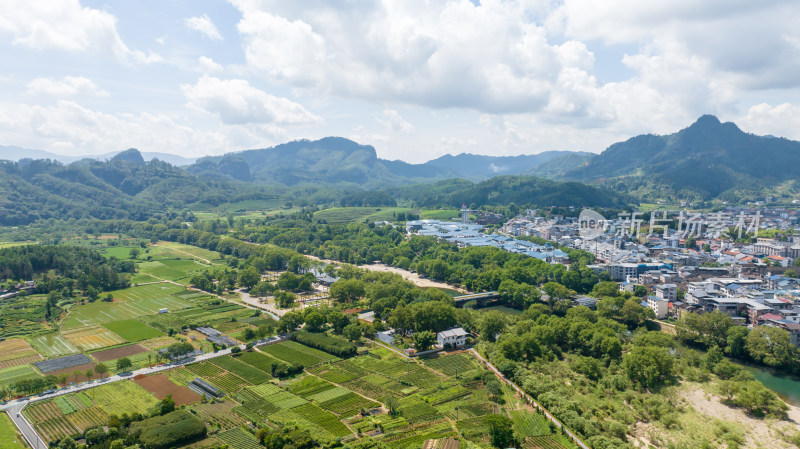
(502, 190)
(707, 160)
(124, 187)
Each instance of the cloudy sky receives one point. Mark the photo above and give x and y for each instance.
(415, 79)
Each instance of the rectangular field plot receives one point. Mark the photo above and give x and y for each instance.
(57, 417)
(92, 338)
(296, 353)
(162, 270)
(132, 303)
(52, 345)
(116, 353)
(62, 363)
(10, 376)
(325, 420)
(451, 364)
(175, 249)
(258, 360)
(132, 330)
(241, 369)
(239, 439)
(17, 351)
(121, 397)
(219, 413)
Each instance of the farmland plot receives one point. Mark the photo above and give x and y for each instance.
(132, 330)
(94, 337)
(239, 439)
(121, 397)
(14, 374)
(52, 345)
(17, 351)
(131, 303)
(295, 353)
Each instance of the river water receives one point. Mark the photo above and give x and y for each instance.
(787, 387)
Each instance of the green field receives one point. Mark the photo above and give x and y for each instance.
(121, 397)
(120, 252)
(52, 345)
(132, 303)
(132, 330)
(14, 374)
(9, 437)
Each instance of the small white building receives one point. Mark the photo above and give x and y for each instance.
(659, 306)
(455, 337)
(164, 310)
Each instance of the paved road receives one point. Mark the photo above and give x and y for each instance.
(14, 407)
(30, 435)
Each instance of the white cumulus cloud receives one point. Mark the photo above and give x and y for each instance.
(204, 25)
(237, 102)
(70, 85)
(68, 26)
(208, 65)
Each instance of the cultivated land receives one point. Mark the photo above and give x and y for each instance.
(437, 397)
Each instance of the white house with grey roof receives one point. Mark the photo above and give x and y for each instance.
(456, 337)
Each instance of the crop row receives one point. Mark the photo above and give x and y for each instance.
(295, 353)
(239, 439)
(241, 369)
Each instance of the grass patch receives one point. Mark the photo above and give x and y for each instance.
(132, 330)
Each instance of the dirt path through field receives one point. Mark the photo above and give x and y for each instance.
(407, 275)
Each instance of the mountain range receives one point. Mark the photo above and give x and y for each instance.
(15, 154)
(707, 161)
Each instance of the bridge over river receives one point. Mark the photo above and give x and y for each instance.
(481, 299)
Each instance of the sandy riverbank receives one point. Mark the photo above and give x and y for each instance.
(407, 275)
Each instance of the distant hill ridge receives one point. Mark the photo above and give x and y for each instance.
(708, 159)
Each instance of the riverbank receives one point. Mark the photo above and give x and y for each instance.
(412, 277)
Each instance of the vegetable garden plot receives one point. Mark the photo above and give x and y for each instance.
(121, 397)
(324, 419)
(415, 439)
(547, 442)
(52, 345)
(333, 373)
(10, 376)
(228, 382)
(204, 369)
(219, 413)
(309, 385)
(451, 364)
(258, 360)
(17, 351)
(239, 439)
(415, 409)
(296, 353)
(529, 424)
(241, 369)
(347, 404)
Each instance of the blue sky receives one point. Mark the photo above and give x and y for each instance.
(415, 79)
